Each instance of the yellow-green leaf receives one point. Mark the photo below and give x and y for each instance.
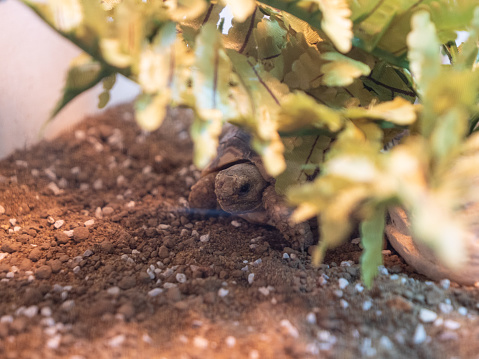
(336, 23)
(150, 110)
(342, 70)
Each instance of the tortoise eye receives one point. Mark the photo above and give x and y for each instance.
(244, 188)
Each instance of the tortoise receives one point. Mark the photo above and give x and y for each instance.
(236, 182)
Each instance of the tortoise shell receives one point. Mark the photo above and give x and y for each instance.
(235, 147)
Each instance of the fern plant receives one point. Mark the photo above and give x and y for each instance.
(322, 85)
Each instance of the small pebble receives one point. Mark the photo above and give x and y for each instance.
(68, 305)
(285, 256)
(155, 292)
(451, 324)
(88, 223)
(358, 287)
(445, 283)
(343, 304)
(54, 342)
(427, 316)
(116, 341)
(235, 224)
(264, 291)
(322, 280)
(367, 304)
(222, 292)
(2, 209)
(386, 343)
(289, 328)
(230, 341)
(462, 311)
(59, 223)
(113, 291)
(31, 311)
(46, 312)
(343, 283)
(200, 342)
(311, 318)
(445, 308)
(205, 238)
(180, 277)
(420, 334)
(250, 278)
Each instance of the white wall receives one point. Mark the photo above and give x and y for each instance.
(33, 64)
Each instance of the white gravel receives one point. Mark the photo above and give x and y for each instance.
(427, 316)
(200, 342)
(420, 334)
(250, 278)
(155, 292)
(222, 292)
(343, 283)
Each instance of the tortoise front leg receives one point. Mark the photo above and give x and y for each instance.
(202, 193)
(299, 234)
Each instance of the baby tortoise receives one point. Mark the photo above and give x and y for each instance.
(237, 182)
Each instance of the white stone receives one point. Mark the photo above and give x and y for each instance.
(358, 287)
(46, 311)
(343, 283)
(254, 354)
(200, 342)
(290, 328)
(222, 292)
(386, 343)
(59, 223)
(445, 283)
(445, 308)
(462, 311)
(250, 278)
(205, 238)
(116, 341)
(311, 318)
(322, 280)
(69, 233)
(451, 324)
(420, 334)
(54, 342)
(6, 319)
(343, 304)
(230, 341)
(285, 256)
(31, 311)
(68, 305)
(2, 209)
(427, 316)
(155, 292)
(367, 304)
(180, 277)
(88, 223)
(235, 224)
(264, 291)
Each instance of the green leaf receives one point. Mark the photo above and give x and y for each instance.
(150, 110)
(372, 230)
(336, 23)
(423, 50)
(103, 99)
(83, 74)
(303, 156)
(342, 70)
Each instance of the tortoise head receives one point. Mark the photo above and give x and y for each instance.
(239, 188)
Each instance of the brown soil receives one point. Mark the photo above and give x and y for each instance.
(100, 257)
